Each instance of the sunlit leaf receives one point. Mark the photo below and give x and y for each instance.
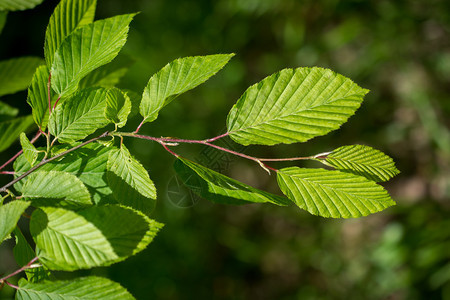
(178, 77)
(29, 151)
(79, 288)
(67, 16)
(118, 107)
(13, 5)
(293, 105)
(96, 236)
(9, 216)
(333, 193)
(86, 49)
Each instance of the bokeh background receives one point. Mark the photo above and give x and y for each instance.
(400, 50)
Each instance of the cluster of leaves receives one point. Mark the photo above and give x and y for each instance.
(80, 184)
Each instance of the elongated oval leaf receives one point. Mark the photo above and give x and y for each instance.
(87, 163)
(118, 107)
(67, 16)
(38, 96)
(86, 49)
(79, 116)
(129, 181)
(178, 77)
(333, 193)
(91, 287)
(219, 188)
(92, 237)
(361, 160)
(293, 106)
(9, 216)
(16, 73)
(56, 188)
(11, 129)
(13, 5)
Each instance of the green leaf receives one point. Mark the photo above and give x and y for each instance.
(96, 236)
(23, 254)
(38, 96)
(293, 106)
(11, 129)
(118, 107)
(3, 16)
(361, 160)
(7, 112)
(129, 181)
(79, 288)
(67, 16)
(87, 163)
(86, 49)
(18, 4)
(177, 77)
(108, 75)
(56, 188)
(79, 116)
(219, 188)
(29, 151)
(332, 193)
(9, 216)
(16, 73)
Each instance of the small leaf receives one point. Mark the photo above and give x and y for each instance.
(29, 151)
(178, 77)
(16, 73)
(91, 287)
(86, 49)
(23, 254)
(38, 96)
(9, 216)
(118, 107)
(87, 163)
(362, 160)
(129, 181)
(56, 188)
(96, 236)
(219, 188)
(107, 76)
(67, 16)
(293, 106)
(332, 193)
(79, 116)
(11, 129)
(13, 5)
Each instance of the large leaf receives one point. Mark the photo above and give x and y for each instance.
(56, 188)
(219, 188)
(361, 160)
(9, 216)
(79, 288)
(16, 73)
(96, 236)
(67, 16)
(18, 4)
(87, 163)
(11, 129)
(177, 77)
(129, 181)
(293, 106)
(79, 116)
(332, 193)
(38, 96)
(118, 107)
(86, 49)
(23, 254)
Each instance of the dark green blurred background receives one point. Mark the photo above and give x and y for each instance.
(400, 50)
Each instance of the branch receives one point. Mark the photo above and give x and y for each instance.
(45, 161)
(29, 265)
